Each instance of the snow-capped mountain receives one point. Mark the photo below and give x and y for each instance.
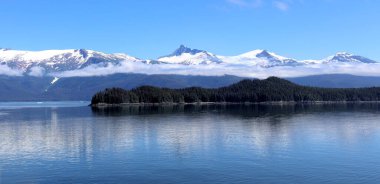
(348, 58)
(188, 56)
(58, 60)
(261, 58)
(341, 58)
(70, 74)
(75, 59)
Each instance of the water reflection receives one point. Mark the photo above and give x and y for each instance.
(258, 110)
(182, 128)
(200, 134)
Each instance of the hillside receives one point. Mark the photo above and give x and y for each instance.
(272, 89)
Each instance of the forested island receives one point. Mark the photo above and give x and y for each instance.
(272, 89)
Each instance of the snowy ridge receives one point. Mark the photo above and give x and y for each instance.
(54, 61)
(347, 57)
(341, 58)
(30, 56)
(58, 60)
(188, 56)
(261, 58)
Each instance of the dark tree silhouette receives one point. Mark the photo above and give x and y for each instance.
(272, 89)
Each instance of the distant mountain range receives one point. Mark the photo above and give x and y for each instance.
(78, 74)
(66, 60)
(59, 60)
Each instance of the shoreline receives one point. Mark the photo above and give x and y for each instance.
(235, 103)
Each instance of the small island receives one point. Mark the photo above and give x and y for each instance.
(270, 90)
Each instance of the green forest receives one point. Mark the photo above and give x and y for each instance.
(272, 89)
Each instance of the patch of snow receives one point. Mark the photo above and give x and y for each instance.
(191, 59)
(54, 80)
(31, 56)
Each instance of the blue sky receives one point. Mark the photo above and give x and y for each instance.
(301, 29)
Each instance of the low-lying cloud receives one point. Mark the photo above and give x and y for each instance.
(36, 71)
(361, 69)
(6, 70)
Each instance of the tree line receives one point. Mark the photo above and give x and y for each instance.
(272, 89)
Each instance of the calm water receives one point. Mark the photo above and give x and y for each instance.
(69, 142)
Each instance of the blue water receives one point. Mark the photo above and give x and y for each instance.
(69, 142)
(53, 104)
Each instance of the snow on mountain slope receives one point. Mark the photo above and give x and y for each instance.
(341, 58)
(261, 58)
(28, 56)
(347, 58)
(183, 60)
(188, 56)
(58, 60)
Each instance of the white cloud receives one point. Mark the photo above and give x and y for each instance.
(6, 70)
(246, 3)
(281, 5)
(224, 69)
(36, 71)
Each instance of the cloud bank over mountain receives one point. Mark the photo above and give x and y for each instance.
(222, 69)
(183, 61)
(6, 70)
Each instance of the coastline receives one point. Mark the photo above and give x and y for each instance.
(234, 103)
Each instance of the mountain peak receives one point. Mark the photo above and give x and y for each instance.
(82, 52)
(264, 53)
(188, 56)
(345, 57)
(261, 53)
(183, 49)
(343, 54)
(253, 53)
(183, 46)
